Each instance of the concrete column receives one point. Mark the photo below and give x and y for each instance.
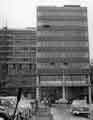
(64, 94)
(63, 88)
(89, 89)
(37, 88)
(89, 95)
(66, 91)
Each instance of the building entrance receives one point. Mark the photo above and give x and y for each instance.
(51, 92)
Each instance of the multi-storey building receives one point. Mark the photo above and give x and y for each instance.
(63, 51)
(60, 61)
(19, 55)
(4, 43)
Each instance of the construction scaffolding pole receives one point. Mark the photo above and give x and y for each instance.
(89, 95)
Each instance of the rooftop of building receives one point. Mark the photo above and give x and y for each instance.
(18, 29)
(63, 6)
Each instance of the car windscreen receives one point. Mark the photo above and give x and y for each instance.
(7, 103)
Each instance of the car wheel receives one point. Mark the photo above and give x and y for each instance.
(88, 116)
(2, 118)
(75, 113)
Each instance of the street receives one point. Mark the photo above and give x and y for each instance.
(61, 112)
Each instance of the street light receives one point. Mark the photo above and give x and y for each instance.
(63, 80)
(63, 86)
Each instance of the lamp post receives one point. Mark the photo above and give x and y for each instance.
(63, 86)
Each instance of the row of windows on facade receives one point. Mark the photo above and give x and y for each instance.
(45, 49)
(19, 52)
(62, 32)
(17, 37)
(24, 46)
(14, 68)
(63, 54)
(65, 18)
(17, 60)
(62, 14)
(19, 48)
(62, 23)
(61, 28)
(63, 45)
(67, 77)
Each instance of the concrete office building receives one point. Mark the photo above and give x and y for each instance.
(55, 58)
(62, 51)
(18, 55)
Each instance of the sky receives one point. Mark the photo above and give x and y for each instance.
(22, 13)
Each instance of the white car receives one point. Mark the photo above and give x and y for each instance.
(8, 104)
(61, 101)
(79, 107)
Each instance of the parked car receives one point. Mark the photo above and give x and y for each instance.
(7, 105)
(61, 101)
(79, 107)
(70, 100)
(44, 101)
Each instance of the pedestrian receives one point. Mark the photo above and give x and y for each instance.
(36, 105)
(49, 102)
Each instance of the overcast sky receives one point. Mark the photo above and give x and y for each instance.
(22, 13)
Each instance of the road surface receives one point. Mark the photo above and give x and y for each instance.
(61, 112)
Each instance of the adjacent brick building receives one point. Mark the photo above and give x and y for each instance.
(18, 54)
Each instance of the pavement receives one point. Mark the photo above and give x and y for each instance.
(43, 113)
(58, 112)
(62, 112)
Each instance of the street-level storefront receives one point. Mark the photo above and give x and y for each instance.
(52, 92)
(55, 93)
(71, 87)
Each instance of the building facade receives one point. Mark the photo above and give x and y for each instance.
(18, 56)
(52, 61)
(4, 43)
(62, 51)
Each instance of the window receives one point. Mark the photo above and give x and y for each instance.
(52, 63)
(14, 66)
(46, 26)
(11, 69)
(20, 67)
(30, 67)
(5, 67)
(25, 59)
